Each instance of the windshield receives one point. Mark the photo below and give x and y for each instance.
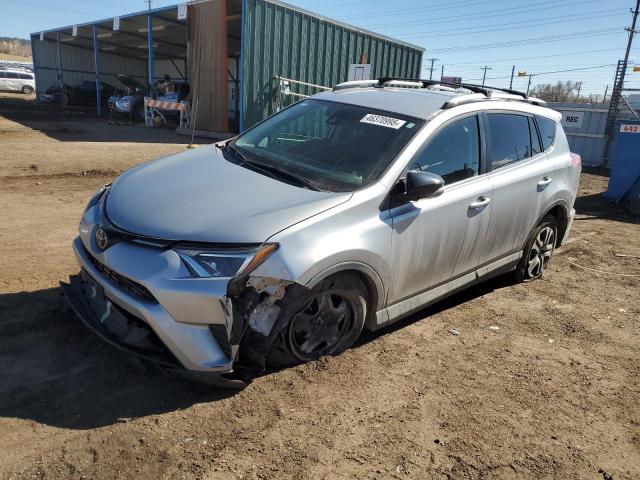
(334, 146)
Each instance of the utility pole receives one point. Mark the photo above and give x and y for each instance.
(631, 31)
(579, 88)
(432, 60)
(513, 70)
(606, 90)
(529, 84)
(441, 72)
(148, 2)
(485, 68)
(616, 93)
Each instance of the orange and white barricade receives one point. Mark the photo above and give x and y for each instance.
(152, 109)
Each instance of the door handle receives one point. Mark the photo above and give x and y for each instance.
(481, 202)
(544, 182)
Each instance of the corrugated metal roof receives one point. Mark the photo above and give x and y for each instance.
(109, 19)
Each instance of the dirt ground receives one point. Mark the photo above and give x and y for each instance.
(553, 393)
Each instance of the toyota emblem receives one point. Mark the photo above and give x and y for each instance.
(101, 239)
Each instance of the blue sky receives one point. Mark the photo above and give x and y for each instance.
(464, 35)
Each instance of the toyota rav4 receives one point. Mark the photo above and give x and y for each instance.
(350, 209)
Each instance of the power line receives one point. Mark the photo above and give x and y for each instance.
(438, 6)
(585, 52)
(529, 41)
(387, 13)
(548, 73)
(485, 14)
(520, 26)
(528, 22)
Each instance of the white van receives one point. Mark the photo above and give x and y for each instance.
(17, 80)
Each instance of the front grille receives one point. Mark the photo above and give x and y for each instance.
(124, 283)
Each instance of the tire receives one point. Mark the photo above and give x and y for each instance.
(329, 323)
(27, 89)
(538, 250)
(65, 99)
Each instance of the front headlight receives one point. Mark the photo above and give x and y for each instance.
(225, 263)
(85, 224)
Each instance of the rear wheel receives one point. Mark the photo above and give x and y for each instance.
(27, 89)
(538, 250)
(328, 324)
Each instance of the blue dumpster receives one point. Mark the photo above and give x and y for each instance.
(625, 160)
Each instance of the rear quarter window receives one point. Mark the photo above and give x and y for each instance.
(26, 76)
(547, 129)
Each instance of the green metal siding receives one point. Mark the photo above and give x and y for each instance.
(283, 40)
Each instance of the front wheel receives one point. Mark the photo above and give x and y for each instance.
(538, 250)
(329, 323)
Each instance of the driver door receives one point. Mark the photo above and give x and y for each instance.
(438, 239)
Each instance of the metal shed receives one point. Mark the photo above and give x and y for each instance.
(233, 53)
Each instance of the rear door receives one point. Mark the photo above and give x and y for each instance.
(522, 178)
(437, 239)
(13, 81)
(3, 81)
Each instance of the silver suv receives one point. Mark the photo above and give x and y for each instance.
(348, 210)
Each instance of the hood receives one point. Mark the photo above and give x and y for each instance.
(199, 196)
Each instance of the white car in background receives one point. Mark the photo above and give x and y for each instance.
(17, 80)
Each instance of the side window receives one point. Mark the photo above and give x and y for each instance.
(26, 76)
(454, 152)
(3, 75)
(547, 131)
(535, 141)
(12, 75)
(509, 139)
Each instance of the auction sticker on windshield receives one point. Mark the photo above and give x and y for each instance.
(383, 121)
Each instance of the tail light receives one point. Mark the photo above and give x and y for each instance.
(576, 160)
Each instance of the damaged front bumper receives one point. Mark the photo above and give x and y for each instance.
(143, 300)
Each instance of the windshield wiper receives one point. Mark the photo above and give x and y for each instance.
(271, 171)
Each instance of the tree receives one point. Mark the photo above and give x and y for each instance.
(557, 92)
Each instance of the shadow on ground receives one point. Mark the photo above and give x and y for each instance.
(56, 372)
(459, 298)
(596, 206)
(82, 124)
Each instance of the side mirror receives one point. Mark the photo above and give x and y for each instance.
(423, 184)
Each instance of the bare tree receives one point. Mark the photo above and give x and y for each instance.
(557, 92)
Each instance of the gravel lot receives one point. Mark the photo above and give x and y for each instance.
(553, 393)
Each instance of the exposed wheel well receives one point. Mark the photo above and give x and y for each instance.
(560, 214)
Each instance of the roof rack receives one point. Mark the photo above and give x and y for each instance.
(485, 90)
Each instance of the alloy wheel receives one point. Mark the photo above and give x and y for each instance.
(540, 252)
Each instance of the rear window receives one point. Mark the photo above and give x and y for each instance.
(509, 139)
(26, 76)
(547, 131)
